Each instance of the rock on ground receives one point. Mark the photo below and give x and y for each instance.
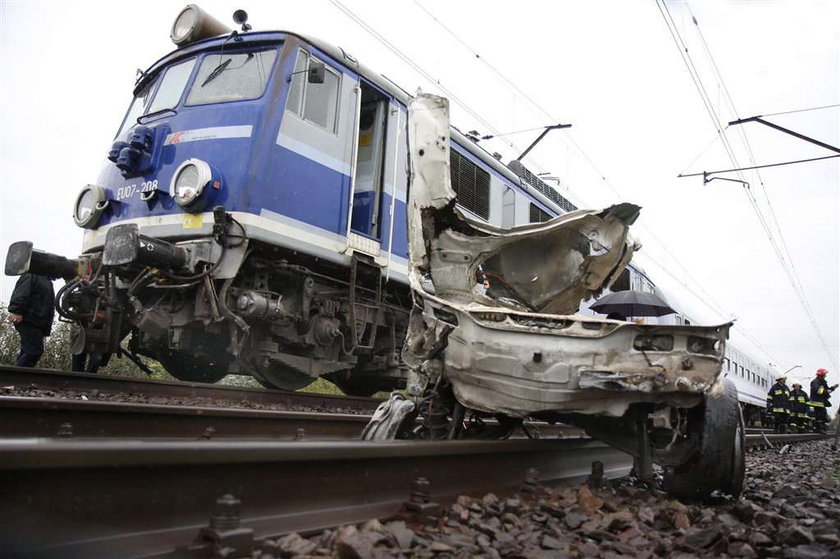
(790, 508)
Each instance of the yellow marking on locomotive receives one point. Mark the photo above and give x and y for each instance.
(192, 221)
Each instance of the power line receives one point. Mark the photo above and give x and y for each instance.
(782, 253)
(706, 173)
(703, 297)
(728, 97)
(794, 275)
(417, 68)
(803, 110)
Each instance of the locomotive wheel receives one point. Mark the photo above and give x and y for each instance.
(89, 362)
(282, 378)
(193, 368)
(720, 461)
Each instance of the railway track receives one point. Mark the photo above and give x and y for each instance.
(149, 498)
(88, 478)
(118, 498)
(91, 418)
(46, 379)
(58, 417)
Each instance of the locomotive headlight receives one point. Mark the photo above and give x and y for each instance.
(193, 185)
(194, 24)
(184, 24)
(90, 203)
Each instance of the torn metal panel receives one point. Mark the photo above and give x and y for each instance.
(494, 307)
(542, 267)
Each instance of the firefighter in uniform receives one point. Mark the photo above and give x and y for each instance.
(778, 404)
(798, 409)
(31, 310)
(820, 399)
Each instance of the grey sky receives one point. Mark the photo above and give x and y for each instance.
(610, 68)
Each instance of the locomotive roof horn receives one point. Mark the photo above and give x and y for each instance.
(240, 17)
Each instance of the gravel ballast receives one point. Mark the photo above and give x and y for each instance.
(790, 508)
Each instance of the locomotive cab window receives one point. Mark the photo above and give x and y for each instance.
(231, 77)
(172, 86)
(314, 102)
(138, 108)
(151, 99)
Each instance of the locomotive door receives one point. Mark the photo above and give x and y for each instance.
(366, 215)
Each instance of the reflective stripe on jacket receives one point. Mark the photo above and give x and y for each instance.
(819, 392)
(779, 398)
(798, 401)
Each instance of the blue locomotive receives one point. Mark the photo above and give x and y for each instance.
(251, 217)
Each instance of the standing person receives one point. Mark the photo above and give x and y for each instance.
(820, 399)
(778, 404)
(798, 409)
(31, 310)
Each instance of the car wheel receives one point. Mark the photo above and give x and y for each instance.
(719, 463)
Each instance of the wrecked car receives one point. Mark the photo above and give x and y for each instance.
(494, 338)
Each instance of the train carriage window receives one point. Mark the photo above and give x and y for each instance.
(172, 86)
(315, 102)
(231, 77)
(537, 214)
(623, 281)
(471, 184)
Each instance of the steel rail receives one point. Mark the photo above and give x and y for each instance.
(61, 417)
(147, 498)
(761, 440)
(48, 379)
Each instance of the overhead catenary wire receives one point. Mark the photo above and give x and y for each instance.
(782, 252)
(417, 68)
(510, 83)
(768, 165)
(805, 110)
(703, 296)
(773, 219)
(789, 270)
(793, 274)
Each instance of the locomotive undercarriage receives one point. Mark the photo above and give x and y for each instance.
(253, 309)
(280, 322)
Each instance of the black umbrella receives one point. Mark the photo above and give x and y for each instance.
(632, 303)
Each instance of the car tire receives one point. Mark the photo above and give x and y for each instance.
(719, 463)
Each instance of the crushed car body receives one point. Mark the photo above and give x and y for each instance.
(494, 310)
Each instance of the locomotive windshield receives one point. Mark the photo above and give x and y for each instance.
(221, 77)
(231, 77)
